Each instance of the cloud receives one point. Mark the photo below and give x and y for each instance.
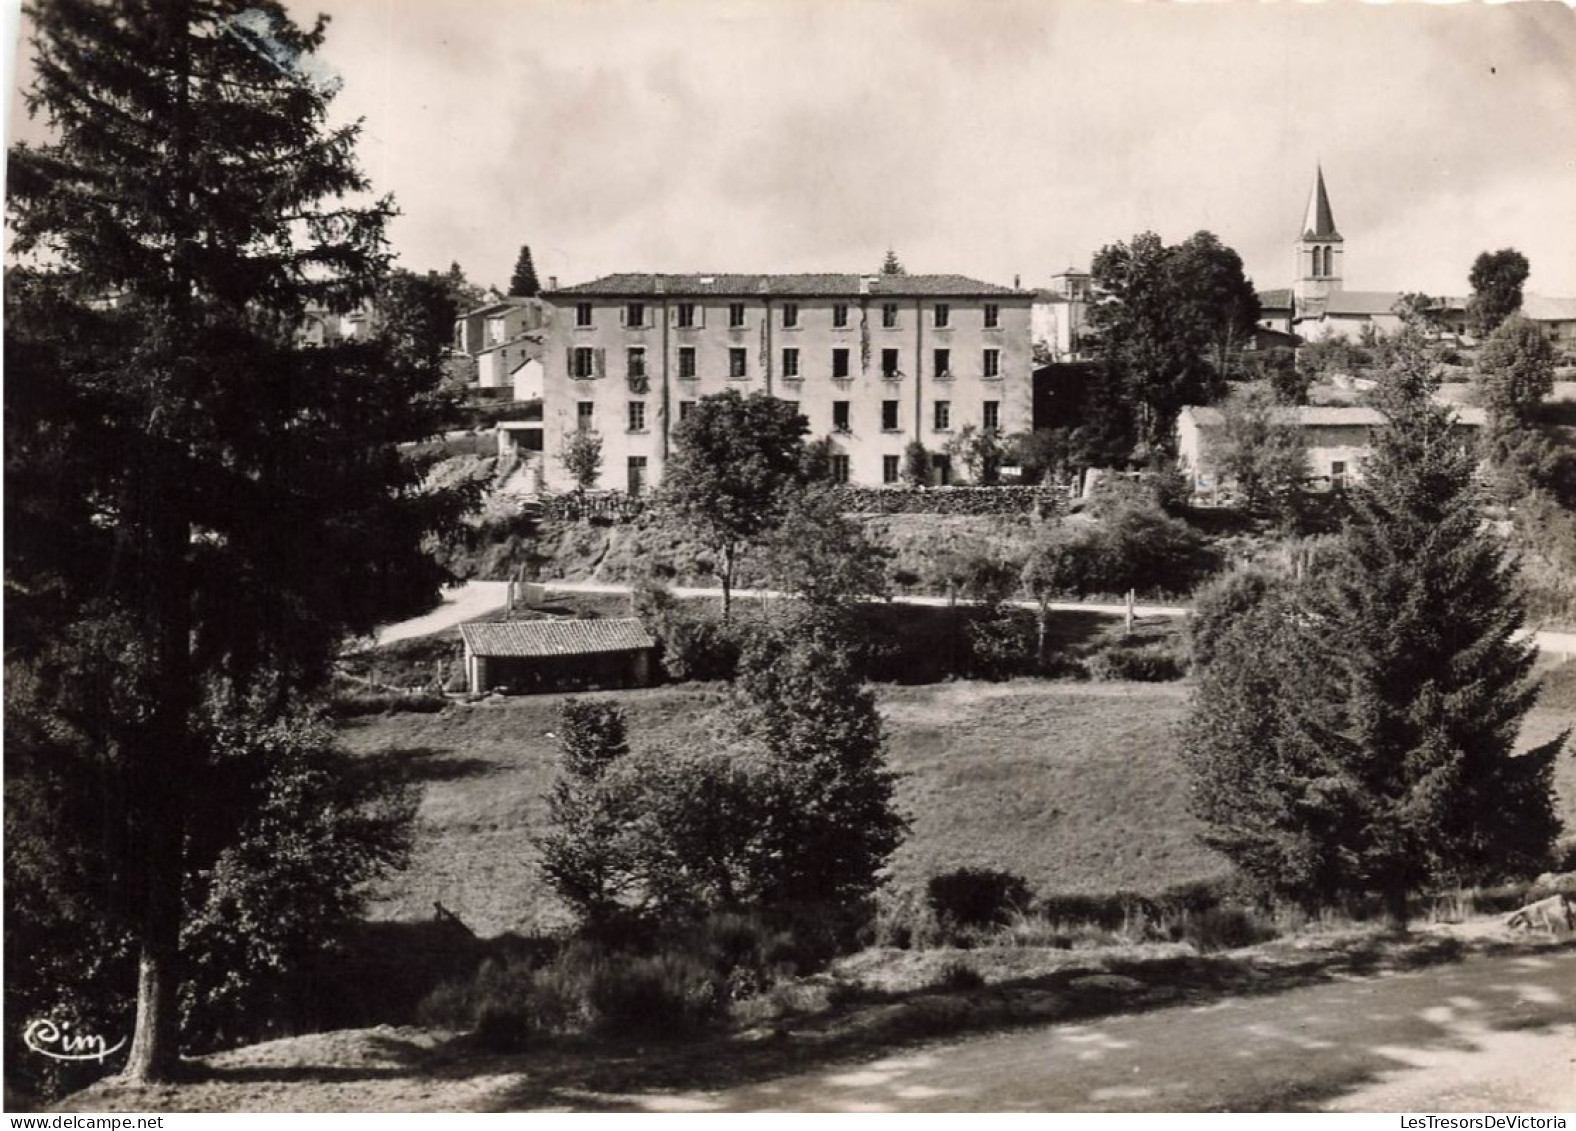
(1015, 136)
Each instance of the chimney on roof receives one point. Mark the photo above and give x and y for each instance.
(552, 282)
(1017, 282)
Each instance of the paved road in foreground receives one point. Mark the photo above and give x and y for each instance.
(475, 598)
(1485, 1035)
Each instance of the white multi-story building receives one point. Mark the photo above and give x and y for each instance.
(875, 362)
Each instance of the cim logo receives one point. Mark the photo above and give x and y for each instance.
(57, 1042)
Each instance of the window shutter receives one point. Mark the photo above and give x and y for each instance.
(673, 316)
(569, 361)
(623, 315)
(600, 360)
(700, 314)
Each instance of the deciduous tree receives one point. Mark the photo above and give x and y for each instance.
(820, 554)
(1170, 322)
(737, 464)
(789, 803)
(1515, 371)
(1496, 279)
(1262, 452)
(581, 456)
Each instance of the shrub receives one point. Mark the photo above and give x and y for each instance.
(1151, 663)
(959, 977)
(1226, 928)
(903, 921)
(662, 996)
(1002, 643)
(693, 647)
(977, 897)
(352, 704)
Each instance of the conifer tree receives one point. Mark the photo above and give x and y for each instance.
(1386, 724)
(523, 281)
(228, 505)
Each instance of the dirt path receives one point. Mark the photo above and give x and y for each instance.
(473, 598)
(1489, 1034)
(460, 604)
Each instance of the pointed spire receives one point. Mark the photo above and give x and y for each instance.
(1319, 223)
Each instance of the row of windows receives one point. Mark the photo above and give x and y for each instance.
(941, 415)
(691, 315)
(1323, 265)
(586, 362)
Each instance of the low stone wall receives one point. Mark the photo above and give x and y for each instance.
(1040, 500)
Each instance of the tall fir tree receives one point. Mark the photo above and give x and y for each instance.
(523, 282)
(1400, 691)
(227, 505)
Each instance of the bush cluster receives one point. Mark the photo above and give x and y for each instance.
(640, 981)
(353, 703)
(977, 897)
(1146, 663)
(972, 907)
(691, 645)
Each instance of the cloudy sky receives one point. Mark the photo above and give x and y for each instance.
(990, 137)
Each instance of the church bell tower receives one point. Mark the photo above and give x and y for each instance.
(1319, 253)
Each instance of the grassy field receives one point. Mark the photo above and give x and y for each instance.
(1076, 786)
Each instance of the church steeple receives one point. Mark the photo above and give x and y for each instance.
(1319, 223)
(1319, 252)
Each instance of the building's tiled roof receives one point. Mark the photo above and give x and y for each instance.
(789, 286)
(531, 638)
(1276, 299)
(1362, 302)
(533, 336)
(1542, 309)
(1336, 416)
(491, 308)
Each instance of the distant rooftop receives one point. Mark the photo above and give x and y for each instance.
(1541, 309)
(1336, 416)
(638, 285)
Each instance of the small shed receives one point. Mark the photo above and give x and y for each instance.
(525, 656)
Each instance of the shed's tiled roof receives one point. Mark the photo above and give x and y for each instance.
(637, 284)
(555, 637)
(1276, 300)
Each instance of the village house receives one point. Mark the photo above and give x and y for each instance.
(1557, 318)
(524, 656)
(1060, 314)
(504, 337)
(875, 362)
(1339, 439)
